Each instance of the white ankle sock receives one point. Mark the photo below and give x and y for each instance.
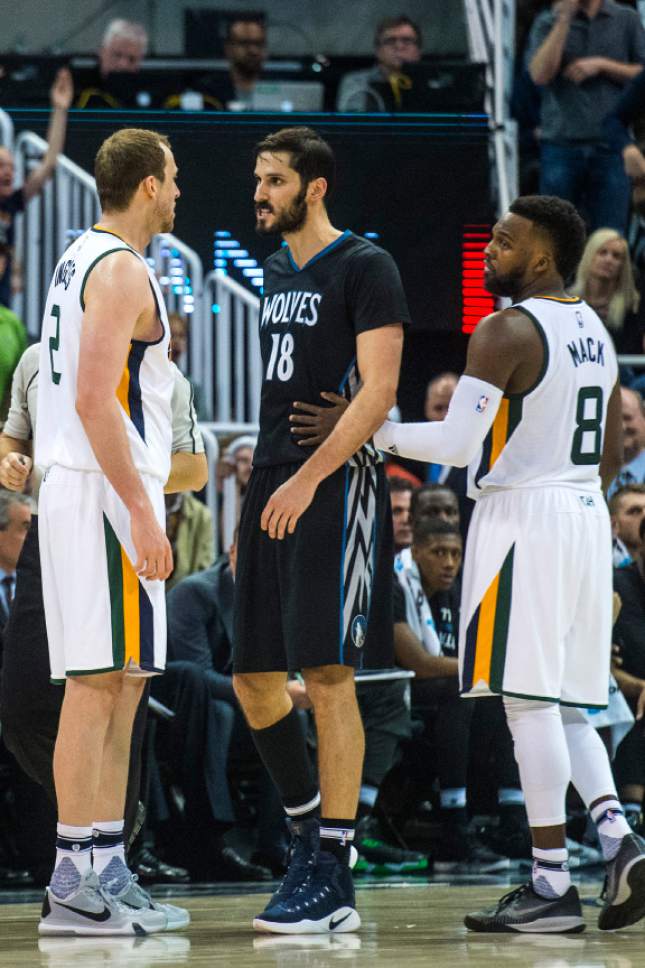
(107, 843)
(610, 820)
(73, 858)
(551, 877)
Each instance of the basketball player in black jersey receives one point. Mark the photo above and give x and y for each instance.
(313, 589)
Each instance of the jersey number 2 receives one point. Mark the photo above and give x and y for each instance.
(590, 424)
(54, 343)
(281, 360)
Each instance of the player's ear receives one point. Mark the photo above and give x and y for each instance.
(317, 189)
(543, 262)
(149, 186)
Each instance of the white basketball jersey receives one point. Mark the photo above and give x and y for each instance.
(144, 392)
(553, 433)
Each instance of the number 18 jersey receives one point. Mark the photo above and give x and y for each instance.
(145, 389)
(553, 433)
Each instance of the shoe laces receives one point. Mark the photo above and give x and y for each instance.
(513, 895)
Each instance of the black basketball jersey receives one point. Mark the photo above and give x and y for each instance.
(309, 320)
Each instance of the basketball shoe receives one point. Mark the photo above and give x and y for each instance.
(323, 903)
(123, 886)
(624, 891)
(524, 911)
(90, 910)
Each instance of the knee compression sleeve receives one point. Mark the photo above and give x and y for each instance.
(542, 757)
(590, 770)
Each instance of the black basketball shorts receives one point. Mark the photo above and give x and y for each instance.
(323, 595)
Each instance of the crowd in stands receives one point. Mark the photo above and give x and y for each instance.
(440, 788)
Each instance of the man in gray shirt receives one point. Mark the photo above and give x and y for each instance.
(581, 53)
(397, 41)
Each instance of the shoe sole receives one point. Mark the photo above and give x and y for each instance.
(178, 923)
(346, 918)
(569, 925)
(64, 928)
(629, 904)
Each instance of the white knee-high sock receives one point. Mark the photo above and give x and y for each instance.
(542, 756)
(590, 769)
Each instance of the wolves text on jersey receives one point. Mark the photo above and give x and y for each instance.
(283, 308)
(587, 350)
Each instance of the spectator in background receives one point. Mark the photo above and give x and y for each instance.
(581, 53)
(426, 629)
(605, 280)
(15, 518)
(397, 41)
(13, 341)
(627, 510)
(178, 337)
(435, 502)
(233, 473)
(123, 47)
(401, 492)
(245, 50)
(13, 200)
(633, 413)
(189, 527)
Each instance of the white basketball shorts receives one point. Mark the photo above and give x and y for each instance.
(100, 615)
(536, 613)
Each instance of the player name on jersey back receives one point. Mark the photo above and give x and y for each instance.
(145, 389)
(553, 433)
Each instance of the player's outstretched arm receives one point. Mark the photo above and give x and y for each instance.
(117, 302)
(612, 448)
(499, 345)
(378, 354)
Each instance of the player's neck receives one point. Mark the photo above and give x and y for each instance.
(312, 238)
(129, 229)
(551, 286)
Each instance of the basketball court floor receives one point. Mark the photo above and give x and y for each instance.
(405, 924)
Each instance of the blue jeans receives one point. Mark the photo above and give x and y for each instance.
(592, 177)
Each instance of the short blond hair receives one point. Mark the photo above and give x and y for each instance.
(123, 161)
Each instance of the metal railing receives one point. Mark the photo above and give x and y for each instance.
(67, 205)
(231, 365)
(491, 30)
(6, 130)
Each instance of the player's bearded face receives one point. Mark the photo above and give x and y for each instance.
(504, 282)
(288, 218)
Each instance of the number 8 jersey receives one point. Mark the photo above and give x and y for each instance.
(553, 433)
(145, 389)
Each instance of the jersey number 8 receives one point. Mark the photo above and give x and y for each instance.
(590, 424)
(281, 360)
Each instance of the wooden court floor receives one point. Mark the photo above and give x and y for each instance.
(403, 925)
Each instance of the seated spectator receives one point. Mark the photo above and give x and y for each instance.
(426, 629)
(200, 634)
(15, 518)
(629, 671)
(246, 52)
(633, 413)
(13, 200)
(581, 53)
(189, 527)
(122, 49)
(605, 280)
(435, 502)
(233, 473)
(13, 341)
(627, 510)
(401, 492)
(397, 41)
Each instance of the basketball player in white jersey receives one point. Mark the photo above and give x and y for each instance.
(103, 434)
(536, 417)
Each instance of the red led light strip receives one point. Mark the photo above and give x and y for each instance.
(475, 300)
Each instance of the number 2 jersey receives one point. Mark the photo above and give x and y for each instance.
(553, 433)
(309, 320)
(145, 389)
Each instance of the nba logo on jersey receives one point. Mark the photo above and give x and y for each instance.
(482, 403)
(581, 322)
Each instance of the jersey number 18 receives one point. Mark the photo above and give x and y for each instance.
(281, 359)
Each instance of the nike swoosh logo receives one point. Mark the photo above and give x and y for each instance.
(334, 924)
(92, 915)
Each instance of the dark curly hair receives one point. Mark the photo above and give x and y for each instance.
(561, 222)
